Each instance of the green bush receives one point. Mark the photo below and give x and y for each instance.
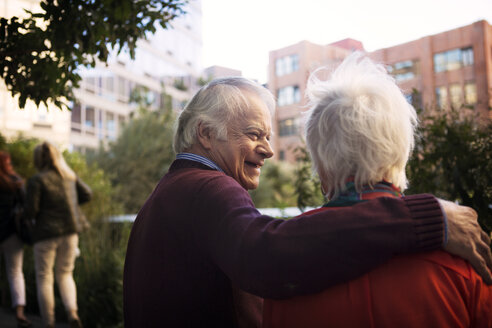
(453, 160)
(307, 185)
(99, 274)
(276, 188)
(140, 156)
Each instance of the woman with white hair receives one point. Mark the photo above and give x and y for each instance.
(199, 236)
(53, 198)
(360, 133)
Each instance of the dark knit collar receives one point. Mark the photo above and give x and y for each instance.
(350, 196)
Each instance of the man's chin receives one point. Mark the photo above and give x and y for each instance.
(251, 185)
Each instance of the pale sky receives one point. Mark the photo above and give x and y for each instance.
(240, 33)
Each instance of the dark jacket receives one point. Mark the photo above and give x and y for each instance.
(53, 204)
(8, 199)
(199, 231)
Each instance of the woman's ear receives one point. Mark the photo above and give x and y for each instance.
(204, 136)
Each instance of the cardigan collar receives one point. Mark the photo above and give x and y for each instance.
(350, 195)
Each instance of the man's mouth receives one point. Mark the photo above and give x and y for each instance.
(255, 165)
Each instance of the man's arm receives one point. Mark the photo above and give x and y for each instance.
(466, 239)
(278, 259)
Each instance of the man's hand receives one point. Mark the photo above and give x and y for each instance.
(466, 239)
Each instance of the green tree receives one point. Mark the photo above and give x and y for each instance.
(307, 185)
(21, 152)
(276, 188)
(40, 54)
(453, 160)
(203, 80)
(141, 155)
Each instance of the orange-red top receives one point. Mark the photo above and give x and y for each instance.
(422, 290)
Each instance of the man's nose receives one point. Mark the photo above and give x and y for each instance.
(266, 149)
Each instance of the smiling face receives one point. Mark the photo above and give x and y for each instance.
(247, 147)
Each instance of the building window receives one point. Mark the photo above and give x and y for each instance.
(288, 95)
(121, 121)
(442, 97)
(456, 95)
(287, 127)
(286, 65)
(404, 70)
(100, 126)
(453, 59)
(89, 117)
(122, 87)
(470, 93)
(109, 83)
(414, 98)
(110, 126)
(75, 117)
(467, 55)
(281, 155)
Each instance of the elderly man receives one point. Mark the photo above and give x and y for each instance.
(199, 234)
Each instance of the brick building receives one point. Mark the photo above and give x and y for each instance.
(453, 68)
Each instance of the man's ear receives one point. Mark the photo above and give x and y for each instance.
(204, 136)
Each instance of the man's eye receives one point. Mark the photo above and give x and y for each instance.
(254, 136)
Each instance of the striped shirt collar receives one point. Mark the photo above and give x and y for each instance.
(380, 189)
(350, 196)
(199, 159)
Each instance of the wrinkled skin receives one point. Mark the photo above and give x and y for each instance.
(466, 239)
(243, 154)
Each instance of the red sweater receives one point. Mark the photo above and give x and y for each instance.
(422, 290)
(199, 231)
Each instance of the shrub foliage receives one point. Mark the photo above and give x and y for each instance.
(453, 160)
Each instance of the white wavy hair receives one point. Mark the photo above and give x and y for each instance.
(360, 125)
(216, 105)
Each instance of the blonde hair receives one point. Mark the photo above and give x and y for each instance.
(360, 125)
(48, 157)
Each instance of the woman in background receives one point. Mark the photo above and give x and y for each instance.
(53, 198)
(360, 133)
(12, 194)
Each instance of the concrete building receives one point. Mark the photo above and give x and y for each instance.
(168, 62)
(45, 123)
(453, 68)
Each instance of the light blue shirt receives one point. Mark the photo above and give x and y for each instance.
(199, 159)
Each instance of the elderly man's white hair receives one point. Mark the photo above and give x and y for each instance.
(360, 125)
(215, 106)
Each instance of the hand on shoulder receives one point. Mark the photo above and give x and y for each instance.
(466, 238)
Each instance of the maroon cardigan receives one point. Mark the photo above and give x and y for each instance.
(199, 231)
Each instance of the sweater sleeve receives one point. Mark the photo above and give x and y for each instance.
(276, 258)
